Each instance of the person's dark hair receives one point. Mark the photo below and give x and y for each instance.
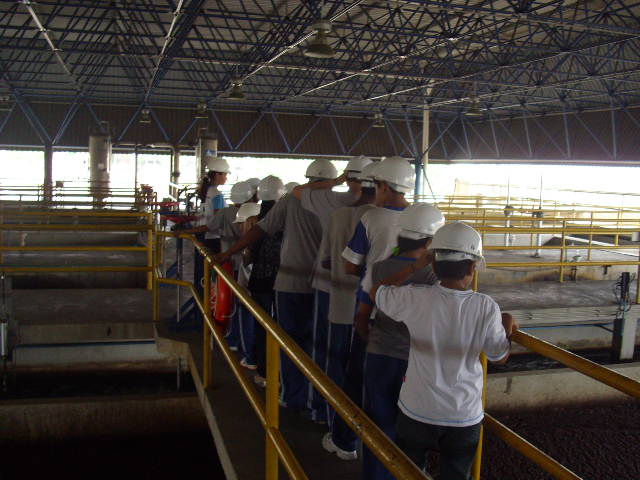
(368, 191)
(204, 185)
(265, 206)
(449, 270)
(408, 244)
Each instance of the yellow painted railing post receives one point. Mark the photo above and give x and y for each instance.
(590, 238)
(155, 289)
(206, 332)
(150, 238)
(477, 462)
(272, 406)
(563, 251)
(638, 281)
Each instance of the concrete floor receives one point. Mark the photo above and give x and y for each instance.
(239, 436)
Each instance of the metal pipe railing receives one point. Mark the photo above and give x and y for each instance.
(527, 449)
(277, 339)
(148, 227)
(598, 372)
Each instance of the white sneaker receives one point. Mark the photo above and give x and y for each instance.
(329, 446)
(246, 364)
(260, 381)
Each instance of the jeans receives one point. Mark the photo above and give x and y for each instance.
(383, 377)
(295, 316)
(341, 433)
(266, 301)
(316, 402)
(457, 445)
(339, 344)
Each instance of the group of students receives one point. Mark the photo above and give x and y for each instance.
(377, 292)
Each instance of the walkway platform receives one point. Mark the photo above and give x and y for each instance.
(239, 436)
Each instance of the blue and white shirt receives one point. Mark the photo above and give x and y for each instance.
(213, 202)
(373, 240)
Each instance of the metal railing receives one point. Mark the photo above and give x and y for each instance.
(17, 224)
(278, 341)
(387, 452)
(602, 374)
(91, 195)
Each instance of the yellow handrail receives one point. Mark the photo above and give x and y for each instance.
(518, 443)
(602, 374)
(390, 455)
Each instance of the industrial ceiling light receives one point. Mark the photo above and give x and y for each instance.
(319, 47)
(236, 91)
(474, 110)
(378, 120)
(145, 116)
(5, 103)
(201, 111)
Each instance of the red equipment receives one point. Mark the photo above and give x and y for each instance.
(222, 299)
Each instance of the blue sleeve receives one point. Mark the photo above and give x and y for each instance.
(363, 297)
(359, 242)
(218, 202)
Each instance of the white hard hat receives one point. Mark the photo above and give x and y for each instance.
(321, 169)
(355, 166)
(218, 164)
(242, 192)
(455, 242)
(367, 174)
(270, 188)
(397, 173)
(253, 181)
(420, 220)
(245, 211)
(290, 186)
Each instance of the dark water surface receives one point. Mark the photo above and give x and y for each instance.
(167, 456)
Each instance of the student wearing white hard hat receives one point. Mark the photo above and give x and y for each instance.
(372, 240)
(264, 257)
(342, 301)
(440, 401)
(290, 186)
(302, 232)
(224, 222)
(318, 198)
(212, 201)
(387, 340)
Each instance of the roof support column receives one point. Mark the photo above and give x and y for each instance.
(48, 173)
(175, 171)
(423, 160)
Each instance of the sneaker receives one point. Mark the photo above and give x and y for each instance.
(246, 364)
(329, 446)
(260, 381)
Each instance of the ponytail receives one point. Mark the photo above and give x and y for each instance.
(203, 187)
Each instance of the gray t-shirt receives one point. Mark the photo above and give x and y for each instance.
(301, 234)
(323, 203)
(388, 337)
(222, 222)
(342, 300)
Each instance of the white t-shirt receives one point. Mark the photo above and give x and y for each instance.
(323, 203)
(448, 329)
(214, 201)
(374, 238)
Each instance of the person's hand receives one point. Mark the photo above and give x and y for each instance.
(341, 179)
(509, 323)
(423, 260)
(221, 257)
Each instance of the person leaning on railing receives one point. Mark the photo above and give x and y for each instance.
(449, 326)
